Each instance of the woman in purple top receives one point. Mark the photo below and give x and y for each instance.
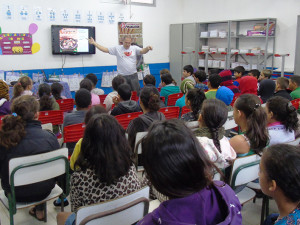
(4, 99)
(178, 167)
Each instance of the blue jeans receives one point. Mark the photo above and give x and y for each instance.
(71, 219)
(271, 219)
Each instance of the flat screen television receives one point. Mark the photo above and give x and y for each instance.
(72, 40)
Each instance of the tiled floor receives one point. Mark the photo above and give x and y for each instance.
(250, 212)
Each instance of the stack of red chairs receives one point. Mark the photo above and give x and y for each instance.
(66, 105)
(170, 112)
(125, 119)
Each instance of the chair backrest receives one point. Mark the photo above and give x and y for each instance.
(138, 138)
(102, 98)
(134, 96)
(36, 168)
(56, 117)
(244, 170)
(66, 105)
(73, 133)
(230, 123)
(184, 110)
(125, 119)
(172, 98)
(121, 211)
(170, 112)
(295, 103)
(295, 142)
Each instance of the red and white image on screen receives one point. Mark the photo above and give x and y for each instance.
(73, 40)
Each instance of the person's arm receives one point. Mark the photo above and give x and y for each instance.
(146, 49)
(100, 47)
(239, 144)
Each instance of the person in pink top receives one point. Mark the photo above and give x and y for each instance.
(87, 84)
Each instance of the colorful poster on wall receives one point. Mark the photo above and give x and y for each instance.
(19, 43)
(133, 29)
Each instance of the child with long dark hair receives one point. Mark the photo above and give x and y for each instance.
(252, 119)
(47, 102)
(282, 120)
(178, 167)
(211, 133)
(56, 90)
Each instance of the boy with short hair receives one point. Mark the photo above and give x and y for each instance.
(188, 72)
(200, 76)
(254, 73)
(294, 85)
(149, 80)
(92, 77)
(282, 83)
(239, 71)
(168, 87)
(266, 85)
(123, 102)
(213, 84)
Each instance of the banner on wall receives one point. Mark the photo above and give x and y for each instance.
(134, 29)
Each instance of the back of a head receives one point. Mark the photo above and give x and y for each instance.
(108, 155)
(117, 81)
(248, 85)
(189, 69)
(282, 164)
(4, 90)
(124, 91)
(255, 73)
(213, 71)
(94, 110)
(239, 69)
(226, 76)
(196, 97)
(256, 119)
(150, 98)
(186, 85)
(44, 94)
(166, 78)
(21, 86)
(92, 77)
(284, 112)
(214, 80)
(225, 95)
(267, 73)
(200, 75)
(181, 166)
(149, 79)
(296, 79)
(164, 71)
(83, 98)
(24, 109)
(86, 84)
(56, 89)
(283, 82)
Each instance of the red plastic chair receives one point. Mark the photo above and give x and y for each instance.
(125, 119)
(1, 118)
(170, 112)
(56, 117)
(159, 89)
(66, 105)
(184, 110)
(173, 98)
(295, 103)
(236, 95)
(163, 99)
(134, 96)
(73, 133)
(102, 98)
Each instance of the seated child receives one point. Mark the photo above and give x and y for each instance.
(149, 80)
(279, 178)
(254, 73)
(239, 71)
(185, 86)
(188, 72)
(163, 71)
(92, 77)
(23, 87)
(225, 95)
(266, 85)
(193, 101)
(88, 85)
(56, 89)
(294, 85)
(47, 102)
(282, 83)
(4, 99)
(214, 81)
(211, 133)
(228, 82)
(248, 85)
(182, 172)
(252, 119)
(282, 120)
(200, 76)
(116, 82)
(168, 86)
(123, 102)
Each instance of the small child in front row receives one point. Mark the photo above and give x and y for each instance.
(200, 76)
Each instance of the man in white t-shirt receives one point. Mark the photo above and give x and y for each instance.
(126, 59)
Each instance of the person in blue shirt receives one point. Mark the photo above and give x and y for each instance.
(168, 87)
(200, 76)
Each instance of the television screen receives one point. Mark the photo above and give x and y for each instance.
(72, 39)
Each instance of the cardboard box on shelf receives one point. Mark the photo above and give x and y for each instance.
(244, 51)
(205, 48)
(234, 64)
(214, 33)
(222, 34)
(234, 51)
(213, 49)
(204, 34)
(216, 63)
(210, 63)
(222, 64)
(201, 63)
(222, 49)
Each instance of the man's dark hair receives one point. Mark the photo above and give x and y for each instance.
(189, 69)
(239, 69)
(166, 78)
(149, 79)
(117, 81)
(92, 77)
(83, 98)
(201, 75)
(295, 79)
(124, 91)
(215, 80)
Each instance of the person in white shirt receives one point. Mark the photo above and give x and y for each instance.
(126, 59)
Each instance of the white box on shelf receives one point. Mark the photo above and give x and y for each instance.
(244, 51)
(201, 63)
(213, 49)
(210, 63)
(234, 51)
(214, 33)
(222, 64)
(256, 51)
(234, 64)
(216, 63)
(222, 34)
(254, 66)
(222, 49)
(205, 48)
(204, 34)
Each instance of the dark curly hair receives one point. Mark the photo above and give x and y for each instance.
(196, 97)
(215, 80)
(284, 112)
(282, 164)
(150, 98)
(45, 100)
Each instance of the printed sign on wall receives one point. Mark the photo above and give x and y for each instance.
(133, 29)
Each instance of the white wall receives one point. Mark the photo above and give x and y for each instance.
(156, 21)
(285, 11)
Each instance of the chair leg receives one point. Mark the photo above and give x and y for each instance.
(11, 216)
(262, 214)
(45, 211)
(62, 205)
(267, 206)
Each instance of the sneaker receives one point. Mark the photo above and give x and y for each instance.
(57, 202)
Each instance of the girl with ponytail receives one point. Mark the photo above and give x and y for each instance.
(4, 99)
(252, 119)
(282, 120)
(23, 87)
(212, 117)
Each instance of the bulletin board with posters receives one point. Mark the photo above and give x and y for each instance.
(133, 29)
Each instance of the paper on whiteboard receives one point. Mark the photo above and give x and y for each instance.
(38, 78)
(74, 82)
(1, 74)
(12, 76)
